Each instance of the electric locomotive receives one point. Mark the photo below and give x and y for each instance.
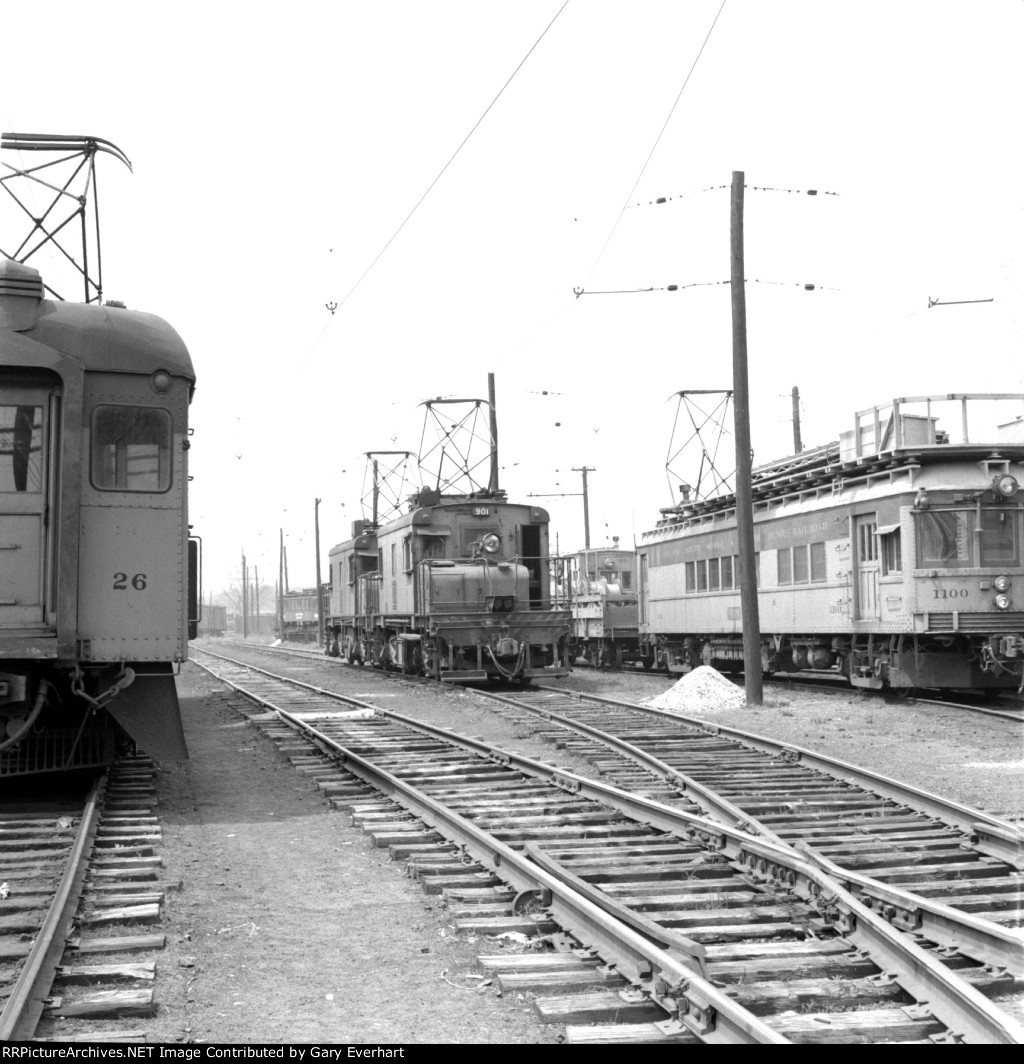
(98, 575)
(459, 587)
(893, 556)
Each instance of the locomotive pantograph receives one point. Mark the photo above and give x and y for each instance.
(460, 586)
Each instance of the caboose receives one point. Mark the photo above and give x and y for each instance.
(98, 579)
(893, 555)
(460, 587)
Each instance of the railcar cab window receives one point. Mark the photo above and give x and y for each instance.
(955, 539)
(131, 449)
(1000, 537)
(21, 448)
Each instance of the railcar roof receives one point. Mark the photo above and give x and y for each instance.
(111, 339)
(830, 469)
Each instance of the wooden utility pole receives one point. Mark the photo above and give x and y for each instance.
(586, 502)
(257, 627)
(245, 598)
(280, 587)
(319, 591)
(752, 678)
(797, 442)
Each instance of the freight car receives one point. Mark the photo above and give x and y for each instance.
(605, 623)
(98, 576)
(300, 613)
(893, 556)
(214, 621)
(459, 587)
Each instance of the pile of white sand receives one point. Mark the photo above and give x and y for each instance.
(703, 690)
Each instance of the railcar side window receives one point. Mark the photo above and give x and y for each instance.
(818, 571)
(1000, 537)
(726, 572)
(21, 448)
(892, 552)
(785, 566)
(944, 538)
(131, 448)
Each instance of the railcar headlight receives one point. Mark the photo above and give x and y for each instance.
(1002, 602)
(1006, 485)
(161, 382)
(1002, 583)
(491, 543)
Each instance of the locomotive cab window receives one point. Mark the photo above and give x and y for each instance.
(131, 449)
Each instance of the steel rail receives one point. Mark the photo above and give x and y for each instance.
(995, 837)
(949, 927)
(669, 977)
(952, 1000)
(21, 1010)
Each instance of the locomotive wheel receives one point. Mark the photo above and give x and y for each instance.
(904, 691)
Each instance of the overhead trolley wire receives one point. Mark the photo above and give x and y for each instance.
(455, 153)
(657, 140)
(416, 205)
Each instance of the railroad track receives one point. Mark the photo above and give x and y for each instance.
(76, 880)
(1007, 707)
(930, 865)
(691, 929)
(932, 854)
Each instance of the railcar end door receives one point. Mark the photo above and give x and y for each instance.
(26, 416)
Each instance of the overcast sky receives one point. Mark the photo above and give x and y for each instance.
(277, 150)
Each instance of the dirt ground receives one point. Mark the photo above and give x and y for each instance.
(289, 927)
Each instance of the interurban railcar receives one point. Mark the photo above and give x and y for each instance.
(892, 556)
(459, 587)
(300, 616)
(98, 576)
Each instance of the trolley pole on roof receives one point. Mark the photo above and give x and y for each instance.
(752, 678)
(319, 590)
